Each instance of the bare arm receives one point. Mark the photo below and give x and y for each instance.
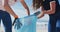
(8, 9)
(52, 8)
(51, 11)
(25, 6)
(42, 13)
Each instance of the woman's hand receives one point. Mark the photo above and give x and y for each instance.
(17, 23)
(16, 17)
(41, 15)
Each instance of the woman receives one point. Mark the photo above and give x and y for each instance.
(50, 7)
(5, 11)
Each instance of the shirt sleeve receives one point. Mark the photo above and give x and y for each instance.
(52, 0)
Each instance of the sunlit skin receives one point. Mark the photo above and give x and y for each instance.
(25, 6)
(40, 2)
(51, 11)
(9, 10)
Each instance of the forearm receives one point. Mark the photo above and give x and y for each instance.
(10, 11)
(49, 12)
(8, 8)
(25, 6)
(52, 8)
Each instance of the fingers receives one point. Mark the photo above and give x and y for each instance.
(17, 23)
(14, 21)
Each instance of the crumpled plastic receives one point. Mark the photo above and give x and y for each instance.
(28, 24)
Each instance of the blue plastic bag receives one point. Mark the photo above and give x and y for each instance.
(28, 24)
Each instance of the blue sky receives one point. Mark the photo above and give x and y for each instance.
(21, 12)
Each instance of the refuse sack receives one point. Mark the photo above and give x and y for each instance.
(28, 24)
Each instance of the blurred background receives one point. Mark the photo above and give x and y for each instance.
(41, 24)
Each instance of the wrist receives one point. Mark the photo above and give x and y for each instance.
(44, 12)
(16, 16)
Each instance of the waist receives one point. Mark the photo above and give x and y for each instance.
(57, 13)
(2, 8)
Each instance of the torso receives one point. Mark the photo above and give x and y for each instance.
(11, 2)
(1, 5)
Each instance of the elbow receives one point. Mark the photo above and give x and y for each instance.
(21, 0)
(53, 12)
(5, 6)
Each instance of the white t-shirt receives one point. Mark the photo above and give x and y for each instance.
(11, 2)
